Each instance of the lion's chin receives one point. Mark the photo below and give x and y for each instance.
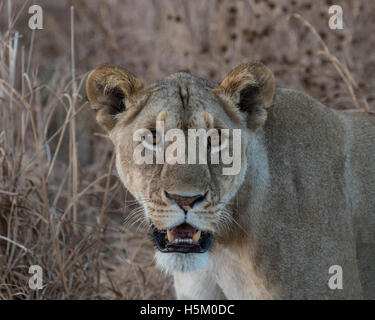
(181, 262)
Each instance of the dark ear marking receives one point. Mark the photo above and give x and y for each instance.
(118, 101)
(247, 98)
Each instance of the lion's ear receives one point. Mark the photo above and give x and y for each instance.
(251, 88)
(109, 90)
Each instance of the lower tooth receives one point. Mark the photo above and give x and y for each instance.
(197, 236)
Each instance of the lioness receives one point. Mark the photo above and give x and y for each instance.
(297, 221)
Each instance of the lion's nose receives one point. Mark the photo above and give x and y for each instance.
(184, 201)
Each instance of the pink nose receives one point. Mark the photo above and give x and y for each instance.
(185, 201)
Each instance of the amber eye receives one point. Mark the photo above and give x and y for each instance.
(214, 140)
(152, 138)
(217, 141)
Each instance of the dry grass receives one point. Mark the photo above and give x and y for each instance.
(61, 204)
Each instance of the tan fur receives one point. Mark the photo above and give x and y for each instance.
(303, 201)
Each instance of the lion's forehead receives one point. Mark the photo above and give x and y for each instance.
(179, 96)
(188, 107)
(183, 79)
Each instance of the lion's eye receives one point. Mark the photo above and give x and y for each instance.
(152, 138)
(214, 140)
(217, 140)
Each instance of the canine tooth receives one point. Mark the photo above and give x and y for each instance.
(170, 236)
(197, 236)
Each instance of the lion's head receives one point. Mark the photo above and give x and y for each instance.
(184, 203)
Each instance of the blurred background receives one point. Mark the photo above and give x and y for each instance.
(62, 206)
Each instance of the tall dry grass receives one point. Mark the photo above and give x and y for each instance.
(61, 204)
(52, 214)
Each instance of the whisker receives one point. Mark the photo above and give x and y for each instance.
(229, 216)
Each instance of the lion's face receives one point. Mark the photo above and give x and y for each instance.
(184, 203)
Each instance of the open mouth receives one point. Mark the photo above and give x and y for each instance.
(183, 238)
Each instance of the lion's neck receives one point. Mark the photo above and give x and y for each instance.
(240, 248)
